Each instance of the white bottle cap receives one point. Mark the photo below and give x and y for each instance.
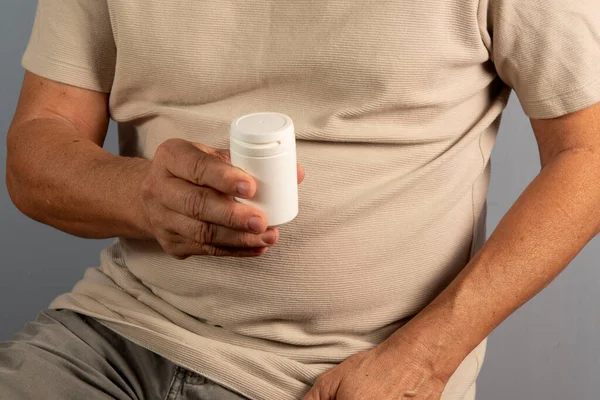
(262, 134)
(261, 128)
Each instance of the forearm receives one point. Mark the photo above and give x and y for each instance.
(543, 231)
(61, 179)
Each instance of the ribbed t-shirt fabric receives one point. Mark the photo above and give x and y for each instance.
(396, 106)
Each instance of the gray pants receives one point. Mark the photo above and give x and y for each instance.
(67, 356)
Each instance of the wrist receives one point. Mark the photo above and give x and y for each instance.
(440, 336)
(141, 219)
(134, 172)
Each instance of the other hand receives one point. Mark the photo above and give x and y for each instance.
(383, 373)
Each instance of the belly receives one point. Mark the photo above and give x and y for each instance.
(373, 243)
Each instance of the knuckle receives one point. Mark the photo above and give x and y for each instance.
(159, 220)
(147, 188)
(210, 250)
(195, 203)
(220, 252)
(198, 168)
(171, 143)
(175, 250)
(247, 239)
(165, 149)
(168, 142)
(232, 217)
(159, 155)
(169, 247)
(204, 233)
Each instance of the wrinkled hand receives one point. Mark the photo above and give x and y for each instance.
(188, 203)
(383, 373)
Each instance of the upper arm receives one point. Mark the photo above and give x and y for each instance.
(574, 131)
(70, 59)
(84, 110)
(549, 53)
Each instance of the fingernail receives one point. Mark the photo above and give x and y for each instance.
(269, 237)
(255, 224)
(243, 188)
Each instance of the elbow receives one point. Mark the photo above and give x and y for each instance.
(16, 187)
(18, 180)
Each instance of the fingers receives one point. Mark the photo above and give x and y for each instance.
(215, 235)
(206, 204)
(301, 173)
(183, 249)
(224, 155)
(204, 166)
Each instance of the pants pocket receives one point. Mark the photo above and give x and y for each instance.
(188, 385)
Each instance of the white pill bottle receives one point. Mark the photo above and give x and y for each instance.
(264, 145)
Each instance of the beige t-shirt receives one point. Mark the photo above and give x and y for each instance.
(397, 105)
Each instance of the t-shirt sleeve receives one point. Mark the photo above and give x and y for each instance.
(548, 51)
(72, 42)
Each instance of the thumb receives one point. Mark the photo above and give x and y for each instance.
(225, 156)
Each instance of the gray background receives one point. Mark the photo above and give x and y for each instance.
(546, 350)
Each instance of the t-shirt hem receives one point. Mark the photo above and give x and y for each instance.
(224, 369)
(64, 72)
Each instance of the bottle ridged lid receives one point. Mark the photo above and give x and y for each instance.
(263, 127)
